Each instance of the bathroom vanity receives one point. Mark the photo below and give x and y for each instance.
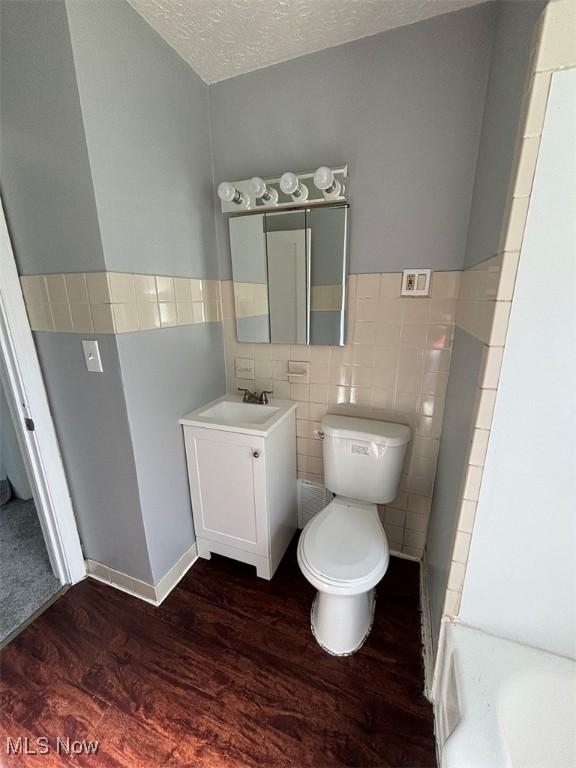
(242, 472)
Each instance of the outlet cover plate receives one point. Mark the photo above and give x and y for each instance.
(416, 282)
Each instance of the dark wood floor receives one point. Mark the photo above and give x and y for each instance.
(224, 673)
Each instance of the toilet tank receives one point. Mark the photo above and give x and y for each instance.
(363, 458)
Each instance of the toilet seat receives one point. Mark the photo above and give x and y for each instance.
(344, 549)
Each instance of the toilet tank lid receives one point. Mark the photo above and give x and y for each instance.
(368, 430)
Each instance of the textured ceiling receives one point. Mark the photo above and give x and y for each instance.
(225, 38)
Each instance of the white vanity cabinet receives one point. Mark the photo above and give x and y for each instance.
(242, 473)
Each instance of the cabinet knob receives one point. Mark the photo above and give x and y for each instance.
(256, 454)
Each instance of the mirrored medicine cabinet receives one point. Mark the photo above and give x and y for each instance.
(289, 272)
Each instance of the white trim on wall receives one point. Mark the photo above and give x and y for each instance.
(25, 383)
(154, 594)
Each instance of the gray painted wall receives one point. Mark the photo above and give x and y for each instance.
(150, 148)
(150, 162)
(515, 30)
(327, 244)
(248, 238)
(150, 157)
(460, 398)
(403, 109)
(90, 415)
(325, 327)
(253, 329)
(45, 175)
(166, 374)
(47, 190)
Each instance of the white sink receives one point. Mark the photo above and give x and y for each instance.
(246, 413)
(229, 413)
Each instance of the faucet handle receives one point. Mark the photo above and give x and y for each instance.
(247, 394)
(263, 399)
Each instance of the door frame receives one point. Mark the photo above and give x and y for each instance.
(293, 237)
(40, 446)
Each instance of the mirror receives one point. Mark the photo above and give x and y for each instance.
(289, 272)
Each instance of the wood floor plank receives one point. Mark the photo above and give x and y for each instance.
(180, 711)
(127, 744)
(225, 673)
(28, 752)
(43, 701)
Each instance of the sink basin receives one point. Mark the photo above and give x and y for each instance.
(246, 413)
(229, 413)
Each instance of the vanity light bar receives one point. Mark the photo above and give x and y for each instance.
(291, 190)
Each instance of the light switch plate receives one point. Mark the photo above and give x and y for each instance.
(244, 367)
(416, 282)
(92, 356)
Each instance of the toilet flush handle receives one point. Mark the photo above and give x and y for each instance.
(320, 434)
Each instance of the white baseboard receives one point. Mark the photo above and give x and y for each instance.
(176, 573)
(404, 556)
(151, 593)
(426, 625)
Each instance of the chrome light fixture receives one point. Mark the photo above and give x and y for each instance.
(324, 180)
(261, 191)
(290, 184)
(228, 193)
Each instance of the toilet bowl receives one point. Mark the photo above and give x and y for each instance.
(343, 550)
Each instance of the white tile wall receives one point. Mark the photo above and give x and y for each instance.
(394, 367)
(558, 41)
(115, 302)
(326, 298)
(537, 104)
(513, 233)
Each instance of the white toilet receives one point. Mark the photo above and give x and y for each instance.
(343, 550)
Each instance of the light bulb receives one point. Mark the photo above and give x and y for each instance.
(257, 186)
(228, 193)
(290, 184)
(259, 189)
(325, 181)
(323, 178)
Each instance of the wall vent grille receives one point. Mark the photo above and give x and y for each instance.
(312, 497)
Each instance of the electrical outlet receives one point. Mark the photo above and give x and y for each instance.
(416, 282)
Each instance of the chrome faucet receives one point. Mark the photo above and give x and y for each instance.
(249, 397)
(252, 397)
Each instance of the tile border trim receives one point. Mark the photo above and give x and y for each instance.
(118, 302)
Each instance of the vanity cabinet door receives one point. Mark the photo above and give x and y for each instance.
(228, 488)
